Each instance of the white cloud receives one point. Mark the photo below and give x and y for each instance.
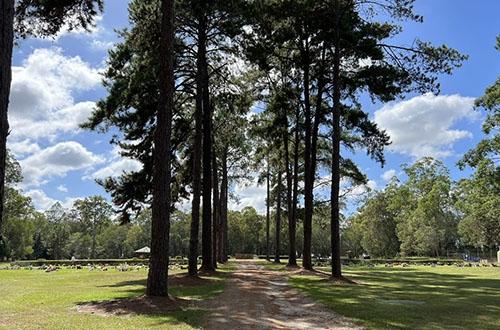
(57, 160)
(42, 101)
(249, 195)
(23, 147)
(116, 168)
(62, 188)
(350, 191)
(101, 45)
(43, 202)
(388, 175)
(423, 125)
(40, 199)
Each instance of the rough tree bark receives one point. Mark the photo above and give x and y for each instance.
(278, 220)
(268, 214)
(317, 115)
(195, 207)
(157, 283)
(336, 134)
(207, 264)
(292, 254)
(216, 209)
(295, 170)
(224, 244)
(6, 44)
(308, 175)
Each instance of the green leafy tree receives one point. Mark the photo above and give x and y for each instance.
(377, 223)
(16, 236)
(111, 241)
(477, 200)
(93, 213)
(427, 221)
(58, 232)
(80, 245)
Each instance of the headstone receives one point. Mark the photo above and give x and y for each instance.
(498, 256)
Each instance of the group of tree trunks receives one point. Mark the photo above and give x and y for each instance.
(306, 56)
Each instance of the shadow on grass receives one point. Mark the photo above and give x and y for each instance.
(179, 308)
(164, 310)
(409, 298)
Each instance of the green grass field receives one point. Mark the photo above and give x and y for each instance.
(33, 299)
(419, 297)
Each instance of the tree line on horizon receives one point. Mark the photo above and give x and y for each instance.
(182, 84)
(421, 214)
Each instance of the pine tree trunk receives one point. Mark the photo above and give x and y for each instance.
(157, 283)
(296, 169)
(195, 206)
(215, 210)
(207, 264)
(292, 256)
(197, 150)
(317, 115)
(224, 201)
(6, 44)
(268, 214)
(308, 175)
(335, 215)
(278, 221)
(222, 194)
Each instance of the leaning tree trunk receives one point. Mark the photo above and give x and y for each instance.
(207, 264)
(157, 283)
(308, 175)
(6, 44)
(268, 214)
(215, 211)
(335, 209)
(278, 221)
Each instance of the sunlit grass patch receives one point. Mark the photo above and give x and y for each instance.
(36, 299)
(419, 297)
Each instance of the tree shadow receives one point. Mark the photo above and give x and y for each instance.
(164, 310)
(409, 298)
(180, 307)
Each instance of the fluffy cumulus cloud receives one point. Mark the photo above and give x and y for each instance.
(42, 102)
(57, 161)
(249, 195)
(424, 125)
(388, 175)
(351, 192)
(115, 168)
(43, 202)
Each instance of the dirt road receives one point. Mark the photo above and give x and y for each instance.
(255, 298)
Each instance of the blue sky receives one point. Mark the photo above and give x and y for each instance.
(56, 82)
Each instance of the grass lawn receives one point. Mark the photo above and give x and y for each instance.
(419, 297)
(33, 299)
